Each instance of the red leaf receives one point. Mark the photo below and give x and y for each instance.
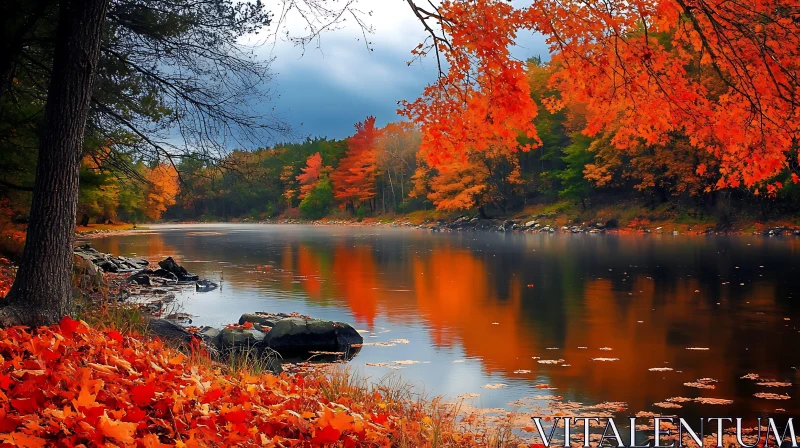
(143, 395)
(236, 417)
(49, 355)
(5, 382)
(328, 434)
(134, 415)
(9, 424)
(24, 405)
(212, 395)
(68, 326)
(248, 325)
(115, 335)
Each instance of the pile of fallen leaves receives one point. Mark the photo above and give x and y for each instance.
(70, 384)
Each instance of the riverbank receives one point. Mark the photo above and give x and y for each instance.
(621, 217)
(105, 379)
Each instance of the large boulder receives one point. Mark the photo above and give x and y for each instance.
(237, 337)
(299, 335)
(261, 318)
(183, 275)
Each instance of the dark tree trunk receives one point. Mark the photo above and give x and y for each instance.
(42, 291)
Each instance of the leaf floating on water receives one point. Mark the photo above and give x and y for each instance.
(605, 359)
(667, 405)
(406, 362)
(553, 348)
(583, 348)
(550, 361)
(543, 386)
(751, 376)
(607, 349)
(382, 364)
(660, 369)
(566, 365)
(698, 348)
(467, 396)
(715, 401)
(774, 384)
(494, 386)
(700, 385)
(679, 400)
(495, 323)
(771, 396)
(645, 414)
(536, 357)
(707, 380)
(521, 372)
(400, 341)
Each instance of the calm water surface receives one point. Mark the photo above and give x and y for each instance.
(479, 308)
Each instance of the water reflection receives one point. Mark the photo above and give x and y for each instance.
(497, 301)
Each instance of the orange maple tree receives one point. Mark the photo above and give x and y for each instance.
(723, 73)
(310, 174)
(354, 178)
(162, 189)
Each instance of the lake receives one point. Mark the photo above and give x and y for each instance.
(474, 309)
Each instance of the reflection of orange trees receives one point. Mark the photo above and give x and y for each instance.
(459, 302)
(673, 319)
(308, 267)
(355, 276)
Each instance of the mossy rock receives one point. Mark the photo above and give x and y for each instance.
(298, 335)
(240, 337)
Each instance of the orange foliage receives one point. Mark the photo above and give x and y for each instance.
(70, 384)
(723, 73)
(162, 189)
(354, 178)
(310, 174)
(483, 101)
(474, 181)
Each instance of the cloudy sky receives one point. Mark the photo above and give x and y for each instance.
(324, 91)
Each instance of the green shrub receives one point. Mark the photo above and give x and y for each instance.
(361, 213)
(318, 201)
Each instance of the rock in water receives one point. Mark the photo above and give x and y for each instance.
(262, 318)
(240, 338)
(183, 275)
(297, 335)
(205, 286)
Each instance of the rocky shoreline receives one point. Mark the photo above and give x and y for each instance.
(537, 224)
(273, 338)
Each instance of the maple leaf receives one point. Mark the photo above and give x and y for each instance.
(143, 395)
(117, 430)
(326, 435)
(23, 440)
